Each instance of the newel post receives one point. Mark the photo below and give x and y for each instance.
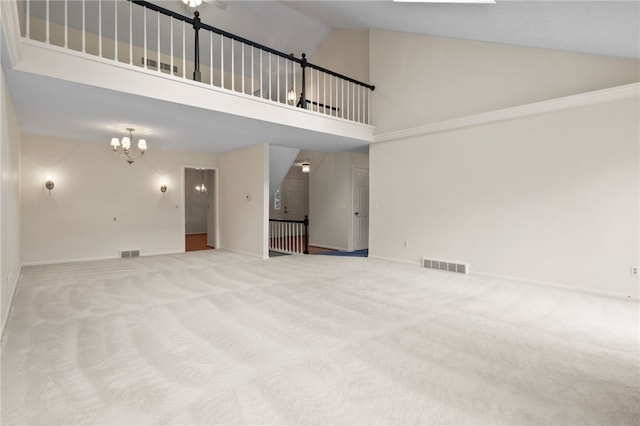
(303, 96)
(196, 27)
(306, 231)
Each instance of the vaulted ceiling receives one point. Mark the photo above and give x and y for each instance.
(596, 27)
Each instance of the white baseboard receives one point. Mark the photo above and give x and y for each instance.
(73, 260)
(328, 247)
(561, 286)
(245, 253)
(390, 259)
(13, 295)
(528, 281)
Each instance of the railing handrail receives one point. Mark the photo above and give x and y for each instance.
(227, 34)
(287, 221)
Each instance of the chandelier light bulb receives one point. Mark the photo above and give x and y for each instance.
(126, 143)
(192, 3)
(142, 145)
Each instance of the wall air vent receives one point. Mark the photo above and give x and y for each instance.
(443, 265)
(152, 63)
(130, 253)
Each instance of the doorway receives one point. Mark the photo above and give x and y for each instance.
(200, 208)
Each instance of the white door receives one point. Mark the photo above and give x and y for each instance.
(211, 208)
(360, 208)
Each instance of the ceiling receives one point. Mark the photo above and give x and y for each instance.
(609, 28)
(70, 110)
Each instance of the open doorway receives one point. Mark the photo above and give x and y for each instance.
(200, 209)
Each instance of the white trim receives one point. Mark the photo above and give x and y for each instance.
(568, 287)
(328, 247)
(245, 253)
(574, 101)
(11, 28)
(73, 260)
(389, 259)
(13, 296)
(560, 286)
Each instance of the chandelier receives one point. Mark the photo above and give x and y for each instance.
(201, 188)
(192, 3)
(127, 153)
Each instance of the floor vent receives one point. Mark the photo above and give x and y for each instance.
(129, 253)
(441, 265)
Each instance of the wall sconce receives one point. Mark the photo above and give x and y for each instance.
(306, 167)
(49, 184)
(163, 188)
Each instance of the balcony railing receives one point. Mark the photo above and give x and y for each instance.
(141, 34)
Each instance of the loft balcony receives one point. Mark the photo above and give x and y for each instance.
(138, 48)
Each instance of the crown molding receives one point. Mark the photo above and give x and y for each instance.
(11, 29)
(558, 104)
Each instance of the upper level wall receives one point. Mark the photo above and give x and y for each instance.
(422, 79)
(345, 51)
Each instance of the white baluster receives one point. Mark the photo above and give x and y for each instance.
(144, 29)
(270, 76)
(252, 65)
(211, 58)
(130, 35)
(171, 48)
(242, 67)
(27, 18)
(100, 28)
(159, 50)
(115, 30)
(47, 25)
(221, 61)
(66, 25)
(261, 72)
(233, 62)
(84, 33)
(278, 77)
(184, 51)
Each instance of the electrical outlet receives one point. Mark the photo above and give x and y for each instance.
(634, 271)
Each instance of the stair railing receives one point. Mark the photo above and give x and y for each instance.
(289, 236)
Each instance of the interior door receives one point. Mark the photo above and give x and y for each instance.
(211, 208)
(360, 208)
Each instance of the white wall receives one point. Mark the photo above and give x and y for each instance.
(422, 79)
(244, 200)
(10, 261)
(74, 221)
(330, 198)
(552, 198)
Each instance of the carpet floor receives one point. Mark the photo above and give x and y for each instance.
(214, 337)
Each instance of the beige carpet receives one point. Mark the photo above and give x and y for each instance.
(215, 337)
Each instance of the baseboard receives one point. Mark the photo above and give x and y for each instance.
(390, 259)
(560, 286)
(74, 260)
(328, 247)
(93, 259)
(245, 253)
(13, 295)
(528, 281)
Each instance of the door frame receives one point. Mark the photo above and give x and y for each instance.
(216, 201)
